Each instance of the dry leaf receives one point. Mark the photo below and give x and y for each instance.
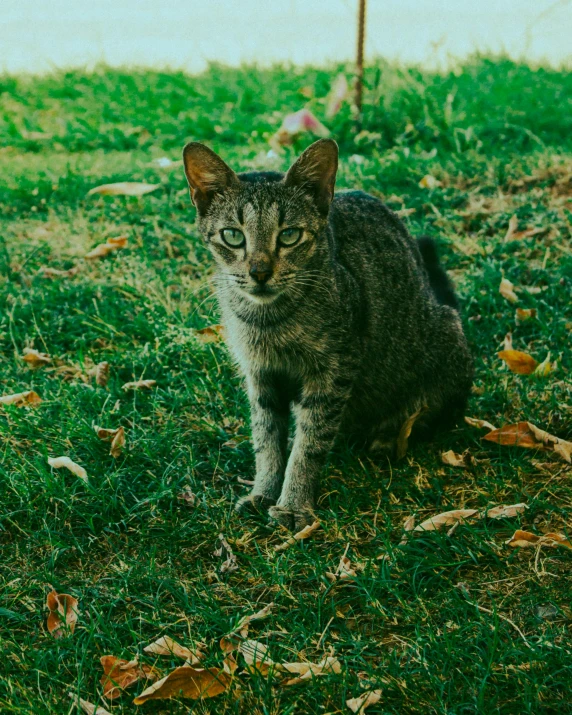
(48, 272)
(35, 358)
(212, 334)
(503, 511)
(256, 656)
(124, 188)
(526, 538)
(119, 674)
(544, 368)
(343, 572)
(447, 518)
(481, 424)
(140, 385)
(245, 621)
(59, 462)
(115, 436)
(167, 646)
(405, 431)
(523, 314)
(295, 124)
(21, 399)
(230, 564)
(187, 682)
(307, 671)
(187, 496)
(506, 289)
(453, 459)
(63, 613)
(359, 704)
(507, 342)
(525, 434)
(409, 523)
(299, 536)
(429, 182)
(87, 707)
(101, 373)
(339, 93)
(103, 249)
(519, 362)
(512, 226)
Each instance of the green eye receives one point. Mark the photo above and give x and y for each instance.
(290, 236)
(232, 237)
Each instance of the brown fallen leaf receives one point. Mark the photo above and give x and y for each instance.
(103, 249)
(481, 424)
(256, 656)
(230, 564)
(115, 436)
(506, 289)
(306, 532)
(526, 539)
(453, 459)
(405, 431)
(140, 385)
(101, 373)
(544, 368)
(507, 343)
(503, 511)
(245, 621)
(167, 646)
(63, 613)
(59, 462)
(187, 496)
(522, 314)
(307, 671)
(87, 707)
(124, 188)
(519, 362)
(119, 674)
(359, 704)
(212, 334)
(187, 682)
(21, 399)
(36, 359)
(528, 435)
(429, 182)
(49, 272)
(343, 572)
(512, 226)
(447, 518)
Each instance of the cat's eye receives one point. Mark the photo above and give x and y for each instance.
(290, 236)
(233, 237)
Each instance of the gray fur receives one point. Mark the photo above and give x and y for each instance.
(347, 335)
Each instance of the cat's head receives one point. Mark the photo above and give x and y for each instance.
(264, 230)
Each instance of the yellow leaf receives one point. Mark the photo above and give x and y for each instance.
(405, 431)
(544, 368)
(512, 226)
(119, 674)
(187, 682)
(103, 249)
(29, 398)
(481, 424)
(429, 182)
(526, 539)
(306, 532)
(212, 334)
(35, 358)
(168, 646)
(456, 460)
(256, 656)
(519, 362)
(59, 462)
(506, 289)
(140, 385)
(63, 613)
(307, 671)
(87, 707)
(525, 434)
(115, 436)
(523, 314)
(447, 518)
(124, 188)
(359, 704)
(48, 272)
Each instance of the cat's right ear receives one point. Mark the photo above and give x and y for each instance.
(207, 175)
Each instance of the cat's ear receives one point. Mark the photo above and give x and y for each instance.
(207, 175)
(315, 171)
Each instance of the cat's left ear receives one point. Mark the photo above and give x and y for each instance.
(315, 171)
(207, 175)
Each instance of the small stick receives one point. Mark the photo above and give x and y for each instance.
(359, 62)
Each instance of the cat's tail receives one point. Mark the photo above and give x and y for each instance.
(438, 278)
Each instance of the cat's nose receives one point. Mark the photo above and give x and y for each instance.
(261, 271)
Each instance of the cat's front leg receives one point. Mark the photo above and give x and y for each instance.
(318, 419)
(269, 423)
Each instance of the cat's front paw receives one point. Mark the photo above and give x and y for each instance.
(253, 504)
(294, 519)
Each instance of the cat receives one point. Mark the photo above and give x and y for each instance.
(334, 314)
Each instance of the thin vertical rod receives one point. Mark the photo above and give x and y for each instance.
(359, 60)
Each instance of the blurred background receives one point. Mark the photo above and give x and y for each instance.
(187, 34)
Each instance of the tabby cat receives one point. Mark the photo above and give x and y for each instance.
(334, 313)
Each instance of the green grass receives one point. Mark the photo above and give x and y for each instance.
(498, 135)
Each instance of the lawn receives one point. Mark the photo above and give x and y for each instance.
(440, 622)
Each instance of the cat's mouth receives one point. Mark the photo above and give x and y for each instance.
(261, 293)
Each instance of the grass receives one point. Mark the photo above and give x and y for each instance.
(438, 625)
